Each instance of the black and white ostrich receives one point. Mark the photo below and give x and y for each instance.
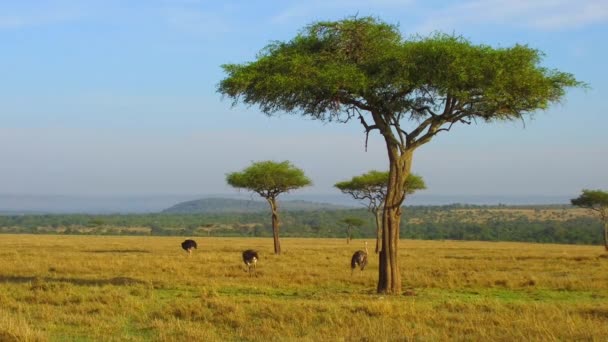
(359, 259)
(188, 246)
(250, 258)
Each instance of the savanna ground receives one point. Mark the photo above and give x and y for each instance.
(93, 288)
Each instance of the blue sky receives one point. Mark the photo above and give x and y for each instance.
(119, 98)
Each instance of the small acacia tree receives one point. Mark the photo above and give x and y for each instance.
(409, 90)
(351, 223)
(372, 187)
(596, 200)
(269, 179)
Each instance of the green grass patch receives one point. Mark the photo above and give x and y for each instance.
(511, 296)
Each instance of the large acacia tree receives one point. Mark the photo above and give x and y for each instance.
(371, 187)
(596, 200)
(409, 90)
(269, 179)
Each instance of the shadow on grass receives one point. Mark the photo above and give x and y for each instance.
(597, 313)
(118, 251)
(117, 281)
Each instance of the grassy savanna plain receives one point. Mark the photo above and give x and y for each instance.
(104, 288)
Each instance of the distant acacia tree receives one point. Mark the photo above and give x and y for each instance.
(409, 90)
(372, 187)
(269, 179)
(596, 200)
(351, 223)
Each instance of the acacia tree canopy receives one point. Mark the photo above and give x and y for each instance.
(353, 221)
(592, 199)
(269, 178)
(372, 187)
(596, 200)
(338, 70)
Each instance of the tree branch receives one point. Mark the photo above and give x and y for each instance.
(425, 108)
(418, 130)
(435, 127)
(403, 135)
(368, 128)
(356, 103)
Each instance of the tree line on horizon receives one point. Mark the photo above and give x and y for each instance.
(424, 222)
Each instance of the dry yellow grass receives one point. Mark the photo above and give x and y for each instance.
(61, 288)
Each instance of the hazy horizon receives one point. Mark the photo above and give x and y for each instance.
(156, 203)
(110, 98)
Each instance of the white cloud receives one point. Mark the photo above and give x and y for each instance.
(587, 13)
(195, 21)
(23, 17)
(539, 14)
(189, 16)
(308, 9)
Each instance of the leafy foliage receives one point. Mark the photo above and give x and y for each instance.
(336, 70)
(372, 187)
(353, 221)
(268, 178)
(596, 200)
(592, 199)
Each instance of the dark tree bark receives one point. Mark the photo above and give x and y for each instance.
(349, 235)
(604, 217)
(389, 275)
(275, 225)
(378, 217)
(606, 235)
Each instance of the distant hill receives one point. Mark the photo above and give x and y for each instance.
(20, 204)
(228, 205)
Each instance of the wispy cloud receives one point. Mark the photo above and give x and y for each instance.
(307, 9)
(196, 18)
(197, 22)
(583, 14)
(49, 13)
(539, 14)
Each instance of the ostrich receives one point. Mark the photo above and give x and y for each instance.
(359, 259)
(250, 258)
(188, 245)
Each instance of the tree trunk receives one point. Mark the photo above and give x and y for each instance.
(604, 217)
(389, 276)
(606, 235)
(275, 225)
(378, 229)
